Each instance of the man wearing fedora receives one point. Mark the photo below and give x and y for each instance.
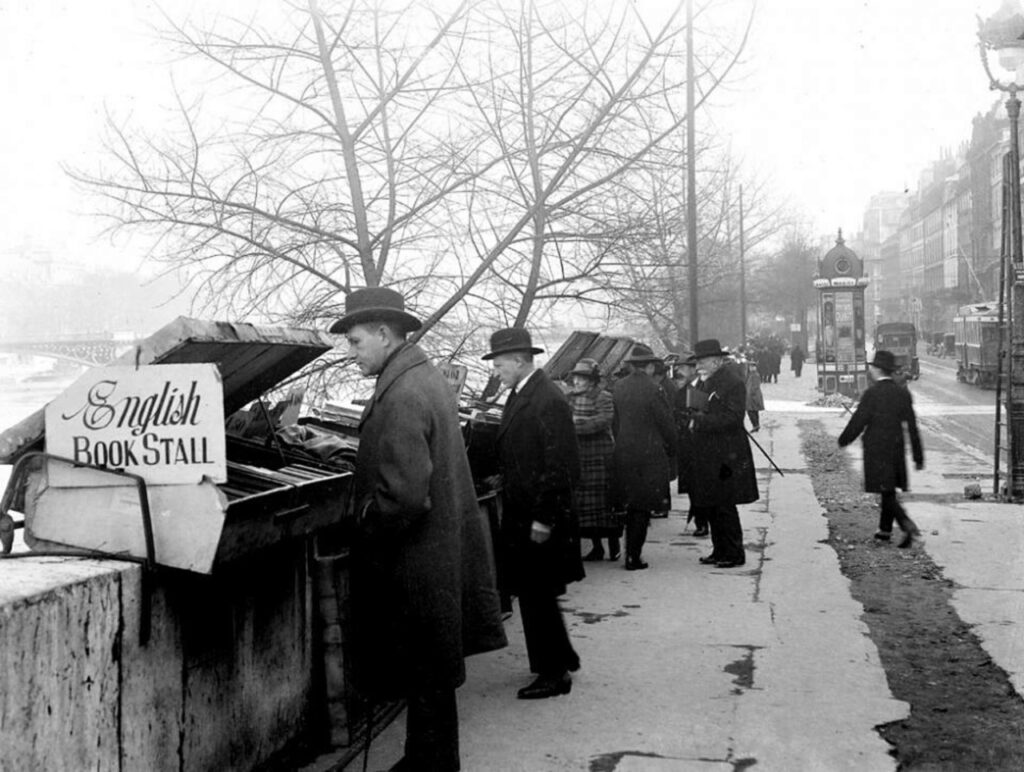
(645, 438)
(539, 461)
(423, 592)
(723, 466)
(882, 413)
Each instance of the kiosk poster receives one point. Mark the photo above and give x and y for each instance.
(845, 350)
(164, 423)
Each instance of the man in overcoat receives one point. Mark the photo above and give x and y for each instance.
(645, 438)
(423, 593)
(684, 453)
(882, 413)
(539, 461)
(723, 465)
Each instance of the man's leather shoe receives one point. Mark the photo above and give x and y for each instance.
(700, 531)
(883, 535)
(909, 538)
(635, 564)
(730, 563)
(710, 559)
(546, 686)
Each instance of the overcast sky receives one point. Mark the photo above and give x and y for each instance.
(837, 99)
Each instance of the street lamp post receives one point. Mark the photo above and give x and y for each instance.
(1003, 34)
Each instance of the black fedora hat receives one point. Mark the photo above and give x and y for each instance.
(375, 304)
(708, 348)
(641, 354)
(884, 360)
(509, 340)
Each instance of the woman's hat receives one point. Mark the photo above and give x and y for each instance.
(708, 348)
(509, 340)
(587, 368)
(884, 360)
(641, 354)
(375, 304)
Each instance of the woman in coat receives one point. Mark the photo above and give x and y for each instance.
(592, 414)
(882, 413)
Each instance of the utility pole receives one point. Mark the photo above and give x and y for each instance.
(743, 281)
(691, 180)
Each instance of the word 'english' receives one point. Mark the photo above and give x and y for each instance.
(169, 406)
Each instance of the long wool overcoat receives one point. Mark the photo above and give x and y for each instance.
(423, 592)
(881, 414)
(540, 465)
(645, 438)
(723, 465)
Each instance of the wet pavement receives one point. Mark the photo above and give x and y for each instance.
(767, 666)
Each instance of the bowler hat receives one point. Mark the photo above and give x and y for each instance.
(884, 360)
(587, 368)
(509, 340)
(375, 304)
(642, 354)
(708, 348)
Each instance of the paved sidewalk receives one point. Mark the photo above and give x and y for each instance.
(693, 668)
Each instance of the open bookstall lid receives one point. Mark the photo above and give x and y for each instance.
(252, 359)
(608, 351)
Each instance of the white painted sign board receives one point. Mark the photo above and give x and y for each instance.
(164, 423)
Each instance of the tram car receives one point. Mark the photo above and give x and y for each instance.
(976, 327)
(900, 338)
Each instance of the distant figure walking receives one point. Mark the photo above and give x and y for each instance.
(796, 359)
(883, 411)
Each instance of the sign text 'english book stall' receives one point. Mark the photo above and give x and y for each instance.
(164, 423)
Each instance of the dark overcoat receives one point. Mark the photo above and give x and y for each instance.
(645, 438)
(423, 592)
(684, 448)
(881, 414)
(723, 465)
(540, 465)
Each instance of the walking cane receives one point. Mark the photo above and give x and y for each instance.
(765, 452)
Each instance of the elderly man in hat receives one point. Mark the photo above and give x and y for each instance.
(540, 465)
(687, 380)
(645, 438)
(723, 465)
(423, 589)
(882, 413)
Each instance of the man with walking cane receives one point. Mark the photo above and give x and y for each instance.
(723, 465)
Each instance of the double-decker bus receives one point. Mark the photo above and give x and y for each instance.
(976, 327)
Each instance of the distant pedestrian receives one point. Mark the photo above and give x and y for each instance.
(796, 359)
(423, 591)
(645, 438)
(687, 382)
(540, 466)
(724, 474)
(882, 414)
(592, 415)
(755, 399)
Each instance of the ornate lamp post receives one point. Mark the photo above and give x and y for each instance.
(1003, 34)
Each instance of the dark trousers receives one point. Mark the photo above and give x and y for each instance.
(547, 641)
(893, 510)
(637, 521)
(432, 732)
(726, 532)
(755, 418)
(701, 516)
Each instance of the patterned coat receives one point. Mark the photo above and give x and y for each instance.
(883, 411)
(423, 592)
(723, 465)
(645, 438)
(540, 465)
(592, 414)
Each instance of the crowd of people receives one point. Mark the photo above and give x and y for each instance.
(592, 459)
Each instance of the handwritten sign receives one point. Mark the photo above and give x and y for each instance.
(456, 375)
(163, 422)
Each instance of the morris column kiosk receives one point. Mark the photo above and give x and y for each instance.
(841, 356)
